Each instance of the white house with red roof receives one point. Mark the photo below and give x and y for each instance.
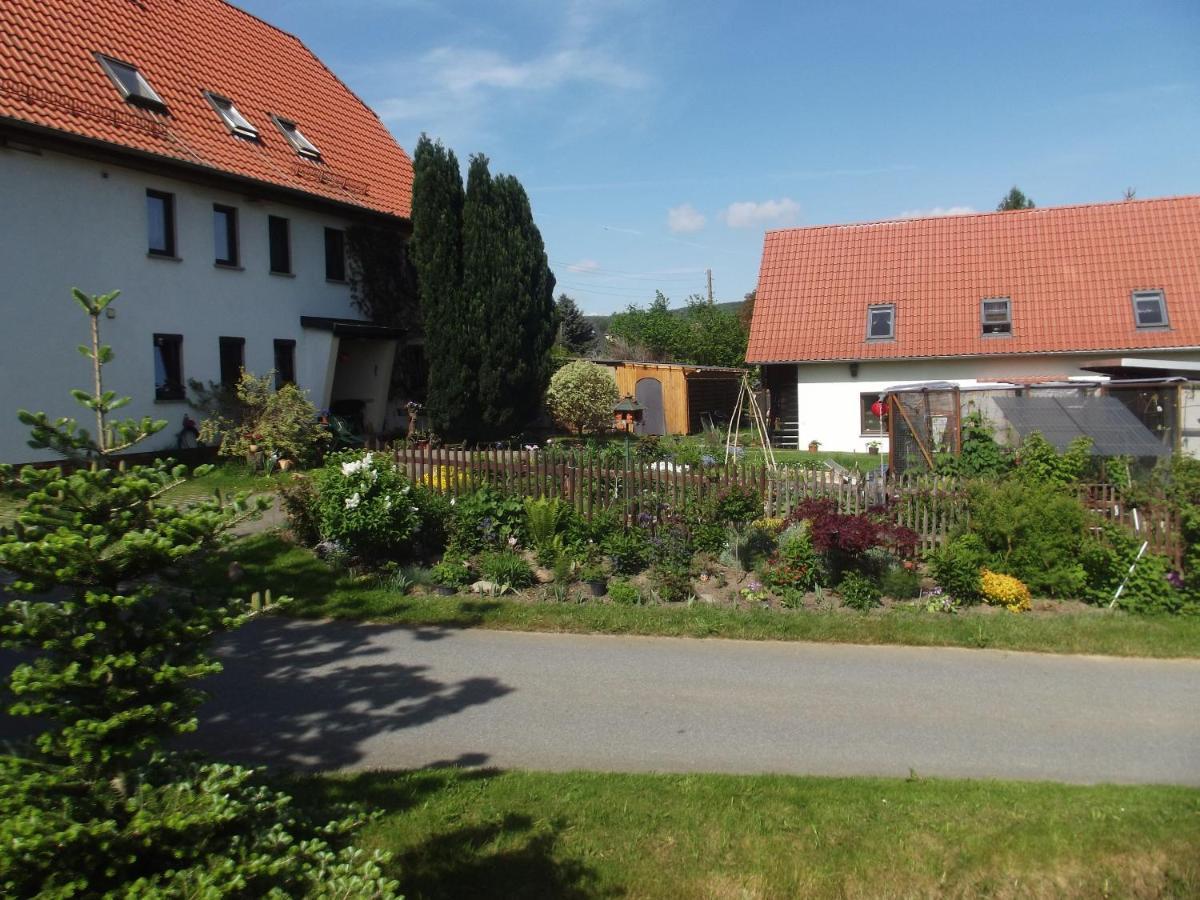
(1080, 292)
(208, 166)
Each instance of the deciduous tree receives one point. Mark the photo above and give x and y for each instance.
(582, 396)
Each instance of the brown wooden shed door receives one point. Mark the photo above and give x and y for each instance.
(649, 394)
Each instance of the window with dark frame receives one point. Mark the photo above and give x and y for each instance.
(160, 223)
(131, 83)
(299, 142)
(881, 322)
(234, 120)
(225, 235)
(870, 423)
(278, 230)
(1150, 309)
(285, 362)
(168, 367)
(233, 360)
(335, 254)
(995, 316)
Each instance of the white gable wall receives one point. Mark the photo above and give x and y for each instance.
(70, 222)
(828, 397)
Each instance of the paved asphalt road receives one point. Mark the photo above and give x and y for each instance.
(341, 695)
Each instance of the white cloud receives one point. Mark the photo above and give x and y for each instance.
(685, 218)
(461, 70)
(748, 214)
(936, 211)
(468, 92)
(584, 265)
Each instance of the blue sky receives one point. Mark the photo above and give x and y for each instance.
(657, 140)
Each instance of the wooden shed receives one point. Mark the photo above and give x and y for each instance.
(678, 399)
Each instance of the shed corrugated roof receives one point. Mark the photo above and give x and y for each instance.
(1069, 271)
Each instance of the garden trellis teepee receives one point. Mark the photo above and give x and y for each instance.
(746, 399)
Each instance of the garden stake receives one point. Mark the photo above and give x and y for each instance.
(1132, 566)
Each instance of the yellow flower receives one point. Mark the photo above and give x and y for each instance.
(445, 478)
(1006, 591)
(770, 524)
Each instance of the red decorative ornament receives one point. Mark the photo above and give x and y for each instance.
(877, 409)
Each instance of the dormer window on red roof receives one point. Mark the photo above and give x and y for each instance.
(131, 83)
(234, 120)
(291, 131)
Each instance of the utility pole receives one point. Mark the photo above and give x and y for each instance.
(710, 297)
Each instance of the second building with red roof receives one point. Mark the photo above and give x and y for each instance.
(1083, 292)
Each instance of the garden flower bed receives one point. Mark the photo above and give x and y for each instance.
(445, 542)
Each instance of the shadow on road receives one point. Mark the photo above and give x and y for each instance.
(307, 697)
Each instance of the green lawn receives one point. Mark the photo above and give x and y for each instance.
(478, 833)
(228, 478)
(270, 563)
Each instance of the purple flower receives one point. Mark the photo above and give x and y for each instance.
(1175, 578)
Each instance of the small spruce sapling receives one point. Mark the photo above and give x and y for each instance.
(112, 653)
(116, 647)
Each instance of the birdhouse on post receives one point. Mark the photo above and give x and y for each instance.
(627, 415)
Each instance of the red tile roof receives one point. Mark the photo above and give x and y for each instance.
(49, 77)
(1069, 270)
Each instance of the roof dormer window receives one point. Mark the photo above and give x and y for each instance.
(234, 120)
(130, 82)
(291, 131)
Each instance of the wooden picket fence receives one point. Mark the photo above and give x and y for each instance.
(932, 506)
(1153, 521)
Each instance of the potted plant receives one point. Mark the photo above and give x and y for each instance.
(814, 446)
(595, 578)
(873, 447)
(450, 574)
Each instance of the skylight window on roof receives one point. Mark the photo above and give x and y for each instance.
(133, 86)
(881, 322)
(234, 120)
(291, 131)
(996, 315)
(1150, 309)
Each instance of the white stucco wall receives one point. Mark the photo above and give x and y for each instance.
(69, 222)
(829, 397)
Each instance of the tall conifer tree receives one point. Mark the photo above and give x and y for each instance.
(487, 296)
(509, 291)
(450, 341)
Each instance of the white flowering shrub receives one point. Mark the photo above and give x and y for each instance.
(366, 505)
(582, 395)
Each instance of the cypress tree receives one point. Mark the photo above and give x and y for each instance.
(509, 290)
(450, 341)
(540, 322)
